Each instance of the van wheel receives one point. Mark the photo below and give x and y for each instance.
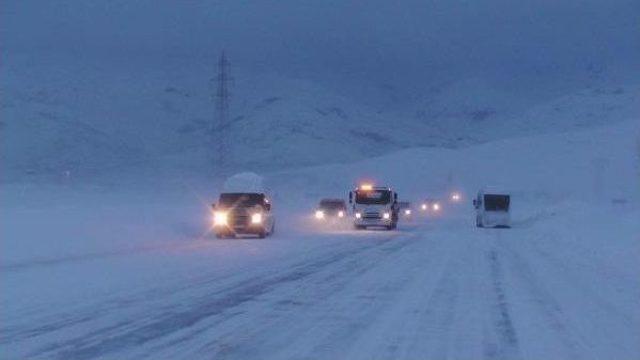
(479, 223)
(359, 227)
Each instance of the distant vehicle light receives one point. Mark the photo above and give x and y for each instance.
(256, 218)
(219, 218)
(455, 197)
(407, 212)
(386, 216)
(358, 215)
(424, 206)
(366, 187)
(436, 207)
(319, 214)
(340, 213)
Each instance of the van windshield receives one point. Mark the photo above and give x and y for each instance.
(496, 202)
(241, 199)
(372, 197)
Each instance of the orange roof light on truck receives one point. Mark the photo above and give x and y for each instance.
(365, 187)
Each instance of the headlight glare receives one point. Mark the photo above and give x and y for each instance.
(219, 218)
(256, 218)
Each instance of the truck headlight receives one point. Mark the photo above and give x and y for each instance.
(219, 218)
(358, 215)
(340, 213)
(386, 216)
(256, 218)
(319, 214)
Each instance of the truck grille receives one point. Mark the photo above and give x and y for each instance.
(238, 219)
(371, 216)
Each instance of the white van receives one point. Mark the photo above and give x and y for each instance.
(492, 208)
(243, 208)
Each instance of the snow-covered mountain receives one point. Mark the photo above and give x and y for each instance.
(81, 119)
(90, 87)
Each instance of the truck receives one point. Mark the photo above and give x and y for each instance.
(374, 206)
(243, 208)
(492, 208)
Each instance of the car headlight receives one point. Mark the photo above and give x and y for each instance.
(386, 216)
(340, 213)
(319, 214)
(358, 215)
(219, 218)
(407, 212)
(436, 207)
(424, 206)
(256, 218)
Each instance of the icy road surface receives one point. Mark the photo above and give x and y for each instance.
(435, 289)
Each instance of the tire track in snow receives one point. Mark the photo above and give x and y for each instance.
(309, 296)
(507, 345)
(132, 333)
(92, 312)
(573, 345)
(603, 316)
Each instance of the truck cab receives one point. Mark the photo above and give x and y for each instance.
(374, 206)
(492, 208)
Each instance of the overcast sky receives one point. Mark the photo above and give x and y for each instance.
(384, 41)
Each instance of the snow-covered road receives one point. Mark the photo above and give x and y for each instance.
(435, 289)
(128, 271)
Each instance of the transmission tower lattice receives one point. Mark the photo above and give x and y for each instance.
(221, 123)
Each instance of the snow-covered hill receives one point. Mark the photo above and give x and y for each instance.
(81, 119)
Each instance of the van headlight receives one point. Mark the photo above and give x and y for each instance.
(256, 218)
(386, 216)
(358, 215)
(319, 214)
(219, 218)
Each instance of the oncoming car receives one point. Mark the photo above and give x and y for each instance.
(243, 208)
(405, 210)
(431, 206)
(331, 209)
(242, 214)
